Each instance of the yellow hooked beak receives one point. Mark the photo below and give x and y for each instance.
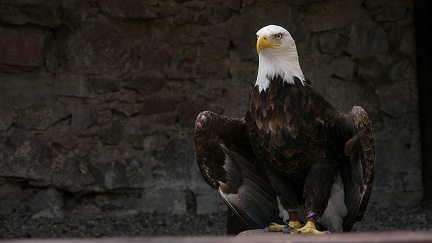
(262, 43)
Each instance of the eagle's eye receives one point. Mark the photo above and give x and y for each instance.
(278, 36)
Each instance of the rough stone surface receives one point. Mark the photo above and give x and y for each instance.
(98, 98)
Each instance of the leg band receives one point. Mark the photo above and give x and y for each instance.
(311, 217)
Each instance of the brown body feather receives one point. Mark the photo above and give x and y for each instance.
(290, 127)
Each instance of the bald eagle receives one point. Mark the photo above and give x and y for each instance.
(293, 163)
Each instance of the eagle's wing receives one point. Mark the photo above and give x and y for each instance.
(358, 173)
(225, 158)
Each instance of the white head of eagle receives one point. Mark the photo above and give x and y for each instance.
(278, 56)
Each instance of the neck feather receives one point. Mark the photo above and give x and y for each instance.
(272, 65)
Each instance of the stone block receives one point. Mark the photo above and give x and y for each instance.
(83, 119)
(113, 169)
(343, 67)
(41, 117)
(320, 16)
(209, 201)
(49, 213)
(7, 118)
(139, 9)
(105, 85)
(331, 42)
(73, 85)
(366, 39)
(169, 201)
(98, 48)
(158, 105)
(111, 134)
(42, 13)
(187, 112)
(213, 14)
(406, 101)
(168, 120)
(10, 195)
(35, 160)
(214, 49)
(175, 164)
(22, 49)
(29, 200)
(145, 85)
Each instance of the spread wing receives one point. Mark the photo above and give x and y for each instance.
(225, 158)
(358, 173)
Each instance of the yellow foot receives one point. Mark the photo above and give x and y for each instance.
(310, 228)
(274, 227)
(295, 224)
(290, 228)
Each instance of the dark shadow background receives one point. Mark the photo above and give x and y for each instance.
(424, 64)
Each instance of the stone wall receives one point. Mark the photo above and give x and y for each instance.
(98, 98)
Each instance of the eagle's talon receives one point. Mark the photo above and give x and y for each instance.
(310, 228)
(288, 229)
(274, 227)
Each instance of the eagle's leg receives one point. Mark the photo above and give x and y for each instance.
(293, 222)
(316, 194)
(287, 199)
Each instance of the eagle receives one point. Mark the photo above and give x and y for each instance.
(293, 163)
